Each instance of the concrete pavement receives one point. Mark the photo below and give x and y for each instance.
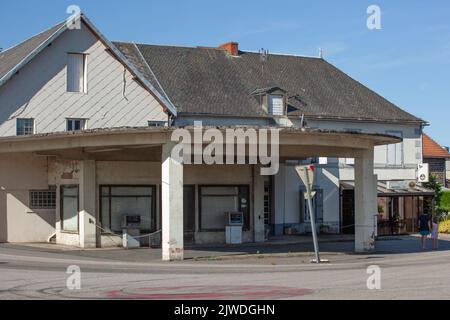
(28, 272)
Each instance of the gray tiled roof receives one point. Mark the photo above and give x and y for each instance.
(210, 81)
(13, 56)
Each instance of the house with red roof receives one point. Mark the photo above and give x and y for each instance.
(436, 156)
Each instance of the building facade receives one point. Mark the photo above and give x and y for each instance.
(86, 146)
(437, 157)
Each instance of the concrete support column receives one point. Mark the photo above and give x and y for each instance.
(88, 197)
(3, 217)
(279, 199)
(365, 201)
(258, 205)
(172, 206)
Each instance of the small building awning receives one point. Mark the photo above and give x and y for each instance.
(399, 189)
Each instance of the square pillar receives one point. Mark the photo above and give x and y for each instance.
(258, 205)
(172, 206)
(279, 200)
(365, 201)
(3, 217)
(87, 215)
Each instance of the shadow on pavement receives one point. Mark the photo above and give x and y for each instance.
(389, 245)
(384, 245)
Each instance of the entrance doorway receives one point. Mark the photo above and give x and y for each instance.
(189, 213)
(348, 211)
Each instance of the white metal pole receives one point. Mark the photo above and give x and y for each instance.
(312, 217)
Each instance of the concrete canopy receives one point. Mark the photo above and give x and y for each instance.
(293, 142)
(154, 145)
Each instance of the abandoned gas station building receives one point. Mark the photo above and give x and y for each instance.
(85, 142)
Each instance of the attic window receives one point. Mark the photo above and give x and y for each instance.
(276, 105)
(76, 73)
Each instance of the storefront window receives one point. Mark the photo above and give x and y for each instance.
(69, 208)
(215, 201)
(117, 202)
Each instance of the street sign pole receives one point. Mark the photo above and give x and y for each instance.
(312, 217)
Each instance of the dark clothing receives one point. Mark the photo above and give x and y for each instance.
(424, 222)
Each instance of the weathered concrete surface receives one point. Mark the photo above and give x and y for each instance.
(40, 273)
(172, 206)
(365, 202)
(87, 215)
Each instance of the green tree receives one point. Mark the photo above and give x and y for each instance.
(437, 187)
(438, 193)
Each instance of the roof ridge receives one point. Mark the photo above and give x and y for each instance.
(285, 54)
(152, 73)
(156, 45)
(217, 48)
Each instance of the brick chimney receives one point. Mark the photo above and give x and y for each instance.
(231, 47)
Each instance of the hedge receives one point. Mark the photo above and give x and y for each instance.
(444, 226)
(445, 200)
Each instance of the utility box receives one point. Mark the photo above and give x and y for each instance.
(233, 230)
(129, 240)
(131, 231)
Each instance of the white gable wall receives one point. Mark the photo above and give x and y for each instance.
(38, 91)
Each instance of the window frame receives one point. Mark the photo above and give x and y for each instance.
(83, 124)
(52, 203)
(247, 215)
(33, 127)
(398, 134)
(61, 207)
(270, 104)
(84, 87)
(153, 197)
(306, 213)
(157, 123)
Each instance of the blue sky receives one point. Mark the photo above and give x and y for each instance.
(407, 61)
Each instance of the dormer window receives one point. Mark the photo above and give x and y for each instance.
(273, 100)
(276, 105)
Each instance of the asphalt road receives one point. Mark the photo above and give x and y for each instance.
(29, 273)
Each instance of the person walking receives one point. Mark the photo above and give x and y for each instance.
(435, 233)
(424, 228)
